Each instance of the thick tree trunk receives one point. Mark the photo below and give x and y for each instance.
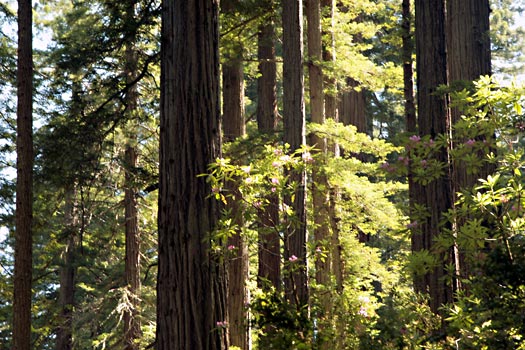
(468, 44)
(269, 248)
(132, 330)
(233, 123)
(294, 134)
(434, 120)
(191, 305)
(24, 182)
(66, 297)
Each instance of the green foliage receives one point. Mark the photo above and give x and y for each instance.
(279, 324)
(364, 207)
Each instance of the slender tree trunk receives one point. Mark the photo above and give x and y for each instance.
(24, 182)
(132, 330)
(191, 295)
(294, 134)
(408, 70)
(233, 123)
(434, 120)
(331, 111)
(66, 297)
(269, 248)
(320, 196)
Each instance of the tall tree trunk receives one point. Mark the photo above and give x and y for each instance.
(331, 111)
(434, 120)
(320, 197)
(468, 47)
(191, 295)
(66, 297)
(132, 330)
(24, 182)
(233, 123)
(269, 247)
(294, 134)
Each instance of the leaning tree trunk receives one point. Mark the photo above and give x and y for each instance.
(24, 182)
(269, 247)
(434, 120)
(294, 134)
(191, 293)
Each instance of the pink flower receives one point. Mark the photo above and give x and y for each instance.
(404, 160)
(231, 247)
(318, 250)
(285, 158)
(504, 199)
(413, 224)
(362, 312)
(273, 189)
(293, 258)
(276, 164)
(216, 189)
(387, 167)
(275, 180)
(415, 138)
(277, 152)
(257, 204)
(222, 324)
(424, 163)
(470, 143)
(307, 157)
(249, 180)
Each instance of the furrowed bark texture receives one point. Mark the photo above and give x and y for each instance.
(434, 120)
(294, 135)
(233, 123)
(269, 247)
(469, 57)
(191, 286)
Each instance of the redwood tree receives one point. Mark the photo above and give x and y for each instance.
(434, 120)
(131, 318)
(294, 135)
(233, 123)
(468, 58)
(269, 247)
(24, 182)
(190, 287)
